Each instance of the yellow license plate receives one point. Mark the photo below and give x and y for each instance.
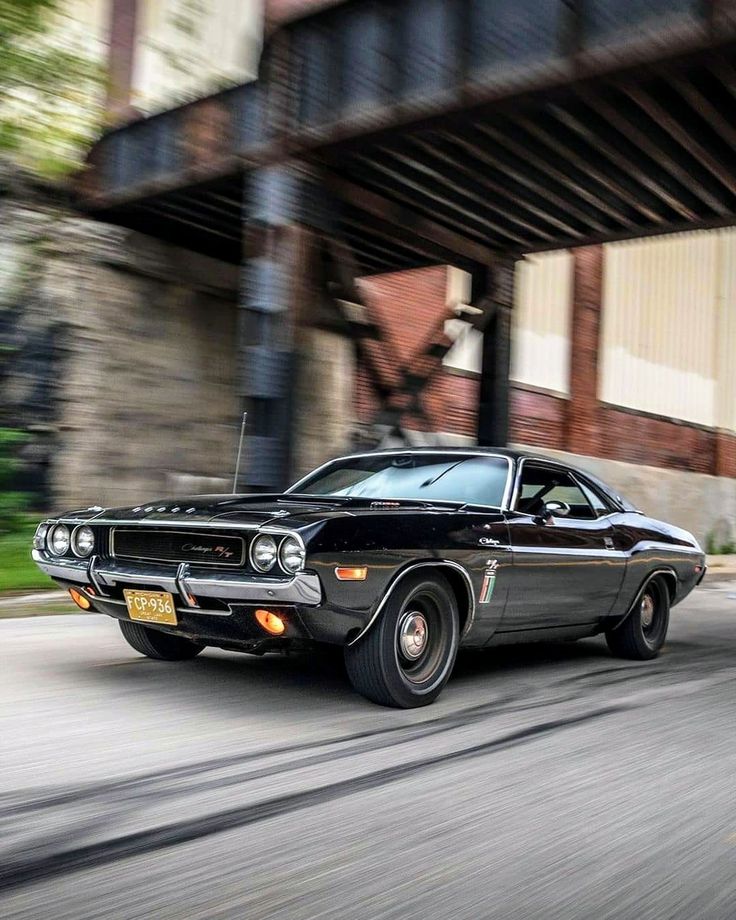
(151, 606)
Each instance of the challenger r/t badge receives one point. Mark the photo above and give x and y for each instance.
(489, 582)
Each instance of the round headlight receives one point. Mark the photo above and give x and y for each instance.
(83, 541)
(39, 537)
(292, 555)
(263, 553)
(58, 539)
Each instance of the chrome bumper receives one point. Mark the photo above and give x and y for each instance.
(304, 589)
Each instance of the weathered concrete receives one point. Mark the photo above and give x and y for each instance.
(324, 401)
(118, 356)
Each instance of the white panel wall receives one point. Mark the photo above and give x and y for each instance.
(188, 48)
(660, 319)
(184, 48)
(726, 334)
(540, 352)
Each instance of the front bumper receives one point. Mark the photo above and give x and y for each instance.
(213, 607)
(183, 581)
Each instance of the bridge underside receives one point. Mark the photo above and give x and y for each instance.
(650, 152)
(461, 132)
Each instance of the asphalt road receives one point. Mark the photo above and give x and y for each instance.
(547, 782)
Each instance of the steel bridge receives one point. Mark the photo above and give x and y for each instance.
(383, 136)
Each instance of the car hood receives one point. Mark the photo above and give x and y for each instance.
(281, 508)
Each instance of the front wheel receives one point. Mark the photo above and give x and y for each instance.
(642, 634)
(156, 644)
(407, 656)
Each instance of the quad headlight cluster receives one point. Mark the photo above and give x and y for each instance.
(58, 539)
(265, 552)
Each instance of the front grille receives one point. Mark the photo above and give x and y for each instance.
(197, 547)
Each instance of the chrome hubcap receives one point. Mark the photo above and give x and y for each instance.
(647, 611)
(413, 634)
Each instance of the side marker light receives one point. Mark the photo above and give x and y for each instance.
(351, 573)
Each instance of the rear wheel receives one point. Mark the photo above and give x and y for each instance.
(642, 634)
(159, 645)
(407, 656)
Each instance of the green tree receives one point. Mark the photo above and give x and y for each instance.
(12, 504)
(50, 87)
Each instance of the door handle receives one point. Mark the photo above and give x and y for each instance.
(608, 542)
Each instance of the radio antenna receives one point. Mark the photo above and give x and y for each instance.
(240, 451)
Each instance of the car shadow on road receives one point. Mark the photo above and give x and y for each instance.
(316, 679)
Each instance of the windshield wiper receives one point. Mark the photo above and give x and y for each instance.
(434, 479)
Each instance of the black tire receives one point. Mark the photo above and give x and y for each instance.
(156, 644)
(407, 656)
(642, 634)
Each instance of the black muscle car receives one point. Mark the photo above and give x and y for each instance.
(399, 556)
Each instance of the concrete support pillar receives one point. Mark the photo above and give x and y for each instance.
(583, 434)
(493, 408)
(296, 359)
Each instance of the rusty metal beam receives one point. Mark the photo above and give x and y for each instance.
(658, 153)
(705, 107)
(684, 138)
(446, 200)
(482, 180)
(410, 221)
(609, 146)
(487, 154)
(473, 188)
(591, 166)
(575, 184)
(426, 250)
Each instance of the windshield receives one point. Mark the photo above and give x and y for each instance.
(460, 478)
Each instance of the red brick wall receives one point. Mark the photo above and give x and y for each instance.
(725, 454)
(278, 11)
(538, 419)
(409, 305)
(582, 418)
(638, 438)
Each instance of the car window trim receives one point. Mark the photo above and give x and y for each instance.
(586, 483)
(569, 473)
(555, 465)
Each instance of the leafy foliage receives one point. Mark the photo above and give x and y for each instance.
(50, 105)
(714, 548)
(12, 504)
(18, 571)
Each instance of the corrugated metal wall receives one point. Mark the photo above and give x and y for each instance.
(726, 335)
(668, 337)
(540, 353)
(661, 305)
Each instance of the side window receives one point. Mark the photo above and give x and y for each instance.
(542, 484)
(596, 502)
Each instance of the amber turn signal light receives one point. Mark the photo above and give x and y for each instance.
(79, 599)
(351, 573)
(271, 622)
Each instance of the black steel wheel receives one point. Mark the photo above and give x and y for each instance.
(156, 644)
(407, 656)
(642, 634)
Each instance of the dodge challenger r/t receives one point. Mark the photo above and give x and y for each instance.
(399, 556)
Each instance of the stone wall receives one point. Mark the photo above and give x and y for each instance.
(118, 356)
